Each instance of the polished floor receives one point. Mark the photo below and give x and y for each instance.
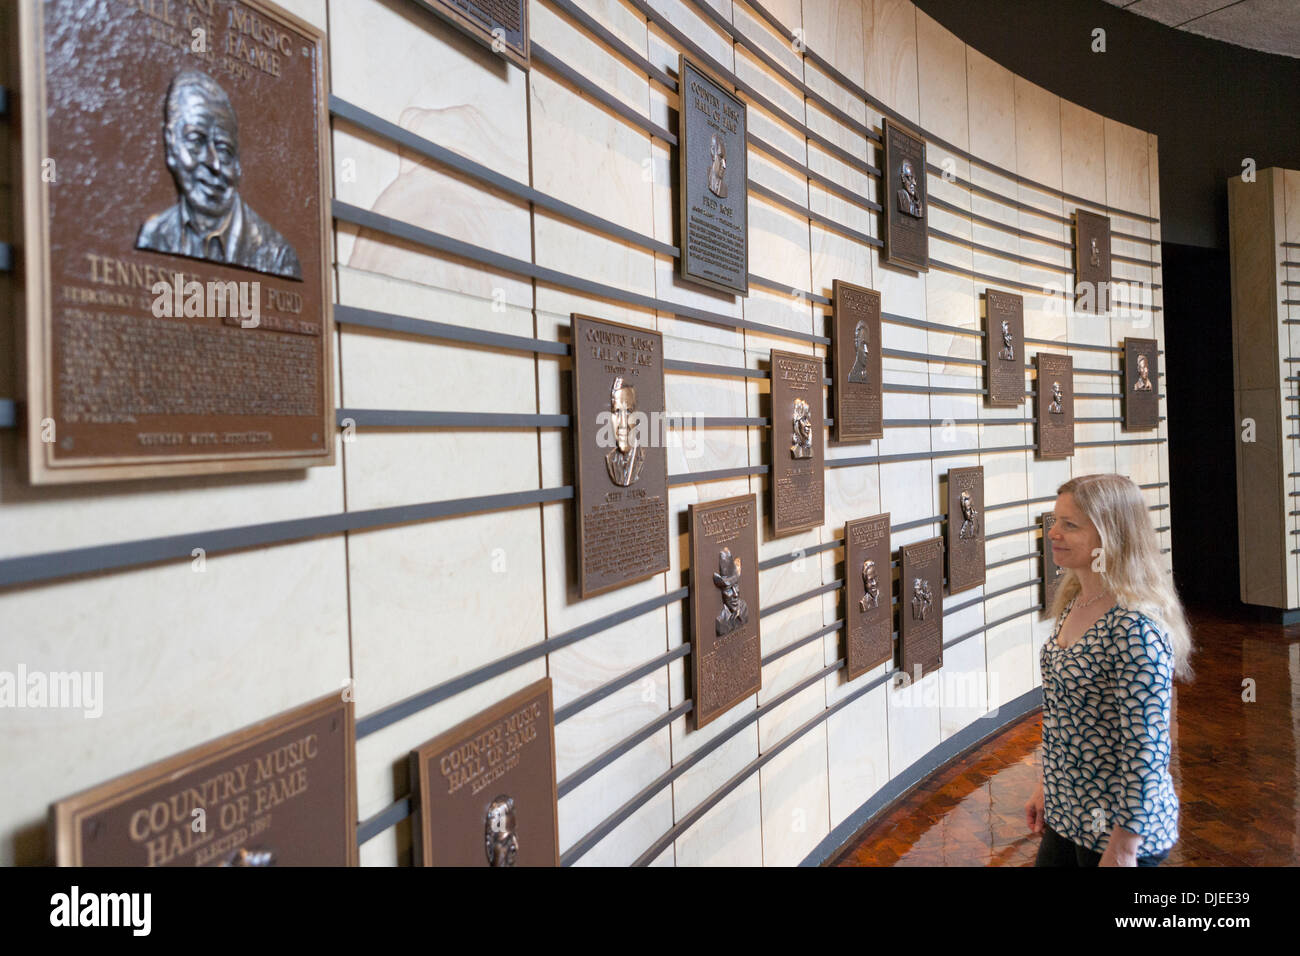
(1235, 766)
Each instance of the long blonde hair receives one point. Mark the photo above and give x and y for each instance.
(1132, 568)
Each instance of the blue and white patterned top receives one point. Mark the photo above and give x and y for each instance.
(1106, 738)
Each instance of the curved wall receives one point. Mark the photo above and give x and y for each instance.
(456, 275)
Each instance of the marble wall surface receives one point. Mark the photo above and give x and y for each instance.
(403, 608)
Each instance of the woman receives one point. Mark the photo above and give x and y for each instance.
(1106, 797)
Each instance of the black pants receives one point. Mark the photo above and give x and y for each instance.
(1056, 850)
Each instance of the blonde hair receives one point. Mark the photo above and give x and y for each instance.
(1132, 568)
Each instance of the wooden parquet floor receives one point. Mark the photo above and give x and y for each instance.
(1234, 764)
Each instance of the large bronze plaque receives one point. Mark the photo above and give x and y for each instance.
(726, 653)
(798, 452)
(1054, 405)
(1141, 383)
(965, 528)
(869, 614)
(176, 214)
(279, 793)
(712, 181)
(1004, 348)
(1051, 572)
(906, 215)
(1091, 262)
(622, 464)
(485, 790)
(500, 25)
(920, 607)
(858, 381)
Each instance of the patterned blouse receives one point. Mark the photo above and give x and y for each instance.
(1106, 741)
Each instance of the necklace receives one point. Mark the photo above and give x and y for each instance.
(1094, 599)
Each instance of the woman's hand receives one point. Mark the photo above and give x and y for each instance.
(1121, 848)
(1034, 810)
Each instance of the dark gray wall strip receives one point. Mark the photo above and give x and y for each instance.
(367, 219)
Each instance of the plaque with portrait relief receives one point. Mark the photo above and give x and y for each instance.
(621, 459)
(869, 612)
(906, 206)
(1004, 348)
(858, 384)
(726, 650)
(712, 182)
(500, 25)
(798, 443)
(1054, 404)
(1141, 384)
(920, 607)
(485, 790)
(281, 792)
(965, 528)
(1091, 262)
(1051, 572)
(175, 198)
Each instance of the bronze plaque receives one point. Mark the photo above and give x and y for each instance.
(903, 197)
(712, 181)
(1091, 262)
(622, 464)
(798, 455)
(858, 381)
(920, 607)
(500, 25)
(1051, 572)
(1054, 406)
(869, 614)
(726, 653)
(485, 790)
(965, 528)
(1141, 383)
(1004, 348)
(176, 212)
(279, 793)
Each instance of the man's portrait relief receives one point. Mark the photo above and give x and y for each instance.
(909, 202)
(1056, 407)
(500, 842)
(801, 433)
(861, 352)
(1008, 352)
(210, 219)
(1143, 382)
(717, 167)
(922, 598)
(625, 459)
(735, 609)
(870, 587)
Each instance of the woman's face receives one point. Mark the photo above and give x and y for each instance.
(1074, 538)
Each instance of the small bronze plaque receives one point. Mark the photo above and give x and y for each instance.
(726, 653)
(920, 607)
(1051, 573)
(279, 793)
(869, 617)
(622, 464)
(1141, 384)
(176, 212)
(858, 382)
(500, 25)
(965, 528)
(485, 790)
(1004, 348)
(905, 220)
(1091, 262)
(1054, 406)
(712, 181)
(798, 455)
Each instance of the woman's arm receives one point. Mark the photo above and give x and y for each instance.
(1143, 669)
